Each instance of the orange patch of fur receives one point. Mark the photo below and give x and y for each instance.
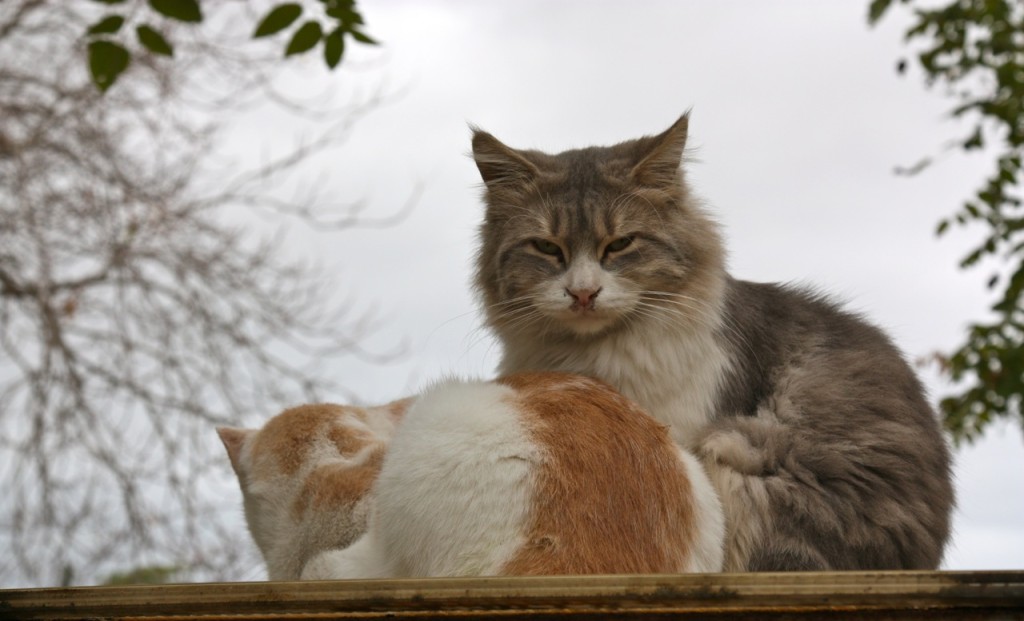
(348, 441)
(338, 486)
(286, 436)
(597, 508)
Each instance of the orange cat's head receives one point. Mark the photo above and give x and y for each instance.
(305, 478)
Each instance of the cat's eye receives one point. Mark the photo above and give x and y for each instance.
(617, 245)
(548, 247)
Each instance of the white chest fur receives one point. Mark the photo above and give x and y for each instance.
(674, 372)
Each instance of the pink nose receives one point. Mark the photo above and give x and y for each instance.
(583, 297)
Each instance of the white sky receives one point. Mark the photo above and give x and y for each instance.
(798, 120)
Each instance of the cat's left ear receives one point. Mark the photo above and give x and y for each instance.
(498, 164)
(397, 409)
(659, 164)
(233, 439)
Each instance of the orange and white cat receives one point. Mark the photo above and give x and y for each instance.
(530, 474)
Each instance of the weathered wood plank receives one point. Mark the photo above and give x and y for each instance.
(846, 595)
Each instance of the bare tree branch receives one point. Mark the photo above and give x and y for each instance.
(137, 307)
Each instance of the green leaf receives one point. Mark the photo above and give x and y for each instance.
(334, 47)
(975, 141)
(279, 18)
(107, 61)
(876, 10)
(362, 38)
(943, 225)
(153, 41)
(181, 10)
(334, 5)
(305, 38)
(972, 257)
(347, 16)
(107, 25)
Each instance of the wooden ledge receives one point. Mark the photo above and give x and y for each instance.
(876, 595)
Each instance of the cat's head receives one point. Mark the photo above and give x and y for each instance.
(591, 240)
(305, 477)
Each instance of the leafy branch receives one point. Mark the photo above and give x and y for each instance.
(347, 22)
(109, 54)
(976, 49)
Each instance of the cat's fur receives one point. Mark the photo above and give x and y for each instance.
(532, 474)
(814, 430)
(305, 478)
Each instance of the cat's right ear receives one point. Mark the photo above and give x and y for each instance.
(234, 439)
(659, 166)
(498, 164)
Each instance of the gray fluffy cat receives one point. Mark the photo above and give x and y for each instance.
(811, 425)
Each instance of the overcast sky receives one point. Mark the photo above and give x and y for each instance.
(798, 121)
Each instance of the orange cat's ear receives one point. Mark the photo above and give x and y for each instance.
(397, 409)
(499, 164)
(233, 439)
(659, 163)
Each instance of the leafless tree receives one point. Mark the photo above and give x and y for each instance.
(137, 309)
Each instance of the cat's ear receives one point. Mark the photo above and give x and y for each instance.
(397, 409)
(498, 164)
(233, 439)
(659, 162)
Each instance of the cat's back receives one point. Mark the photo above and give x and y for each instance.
(543, 473)
(782, 336)
(613, 493)
(817, 393)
